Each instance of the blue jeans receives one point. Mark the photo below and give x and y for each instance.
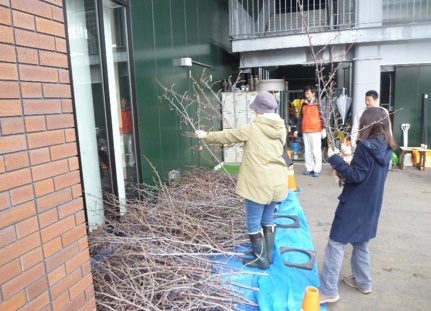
(360, 264)
(259, 215)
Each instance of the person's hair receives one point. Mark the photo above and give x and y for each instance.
(310, 88)
(375, 122)
(373, 94)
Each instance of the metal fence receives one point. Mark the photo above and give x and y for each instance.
(261, 18)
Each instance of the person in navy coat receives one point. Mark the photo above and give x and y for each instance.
(360, 202)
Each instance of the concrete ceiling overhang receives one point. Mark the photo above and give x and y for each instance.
(294, 49)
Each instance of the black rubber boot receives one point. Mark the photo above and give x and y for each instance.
(260, 256)
(269, 234)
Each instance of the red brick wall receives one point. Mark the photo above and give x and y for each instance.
(44, 259)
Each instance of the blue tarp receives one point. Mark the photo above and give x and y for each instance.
(281, 287)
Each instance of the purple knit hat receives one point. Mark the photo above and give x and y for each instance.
(264, 103)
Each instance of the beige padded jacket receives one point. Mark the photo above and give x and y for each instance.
(263, 172)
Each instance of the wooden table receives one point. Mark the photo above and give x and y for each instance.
(422, 157)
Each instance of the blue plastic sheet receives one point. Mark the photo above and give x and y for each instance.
(281, 287)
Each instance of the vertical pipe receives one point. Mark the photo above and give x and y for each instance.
(424, 121)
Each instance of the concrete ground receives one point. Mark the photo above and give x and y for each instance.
(401, 252)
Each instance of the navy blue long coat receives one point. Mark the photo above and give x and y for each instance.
(358, 210)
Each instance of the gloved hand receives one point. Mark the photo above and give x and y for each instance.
(332, 152)
(200, 134)
(295, 134)
(323, 132)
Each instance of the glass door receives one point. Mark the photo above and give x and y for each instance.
(99, 55)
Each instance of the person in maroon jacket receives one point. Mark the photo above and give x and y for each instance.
(360, 202)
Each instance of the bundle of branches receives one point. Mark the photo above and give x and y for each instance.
(169, 250)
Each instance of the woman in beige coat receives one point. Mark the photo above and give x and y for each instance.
(262, 179)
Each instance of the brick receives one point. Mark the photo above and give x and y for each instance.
(66, 105)
(43, 187)
(27, 55)
(83, 243)
(90, 305)
(10, 108)
(39, 156)
(32, 258)
(67, 180)
(14, 179)
(60, 45)
(76, 303)
(4, 3)
(23, 280)
(17, 213)
(22, 194)
(23, 20)
(8, 72)
(12, 126)
(56, 275)
(34, 40)
(61, 301)
(80, 259)
(35, 124)
(43, 106)
(76, 191)
(57, 14)
(9, 89)
(53, 200)
(12, 143)
(7, 236)
(56, 90)
(47, 218)
(15, 302)
(5, 17)
(38, 8)
(27, 227)
(5, 201)
(70, 208)
(50, 27)
(70, 135)
(16, 160)
(38, 303)
(76, 289)
(6, 34)
(72, 236)
(36, 73)
(19, 248)
(86, 269)
(63, 151)
(57, 228)
(45, 139)
(31, 90)
(60, 258)
(52, 247)
(48, 170)
(53, 59)
(2, 165)
(58, 3)
(9, 271)
(37, 288)
(73, 164)
(7, 53)
(61, 121)
(64, 77)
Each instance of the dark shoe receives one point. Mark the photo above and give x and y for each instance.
(269, 234)
(326, 299)
(315, 174)
(350, 280)
(260, 255)
(308, 172)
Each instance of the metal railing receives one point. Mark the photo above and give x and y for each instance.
(262, 18)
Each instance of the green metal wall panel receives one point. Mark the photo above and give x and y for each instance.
(164, 30)
(410, 83)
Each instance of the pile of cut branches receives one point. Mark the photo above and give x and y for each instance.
(169, 251)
